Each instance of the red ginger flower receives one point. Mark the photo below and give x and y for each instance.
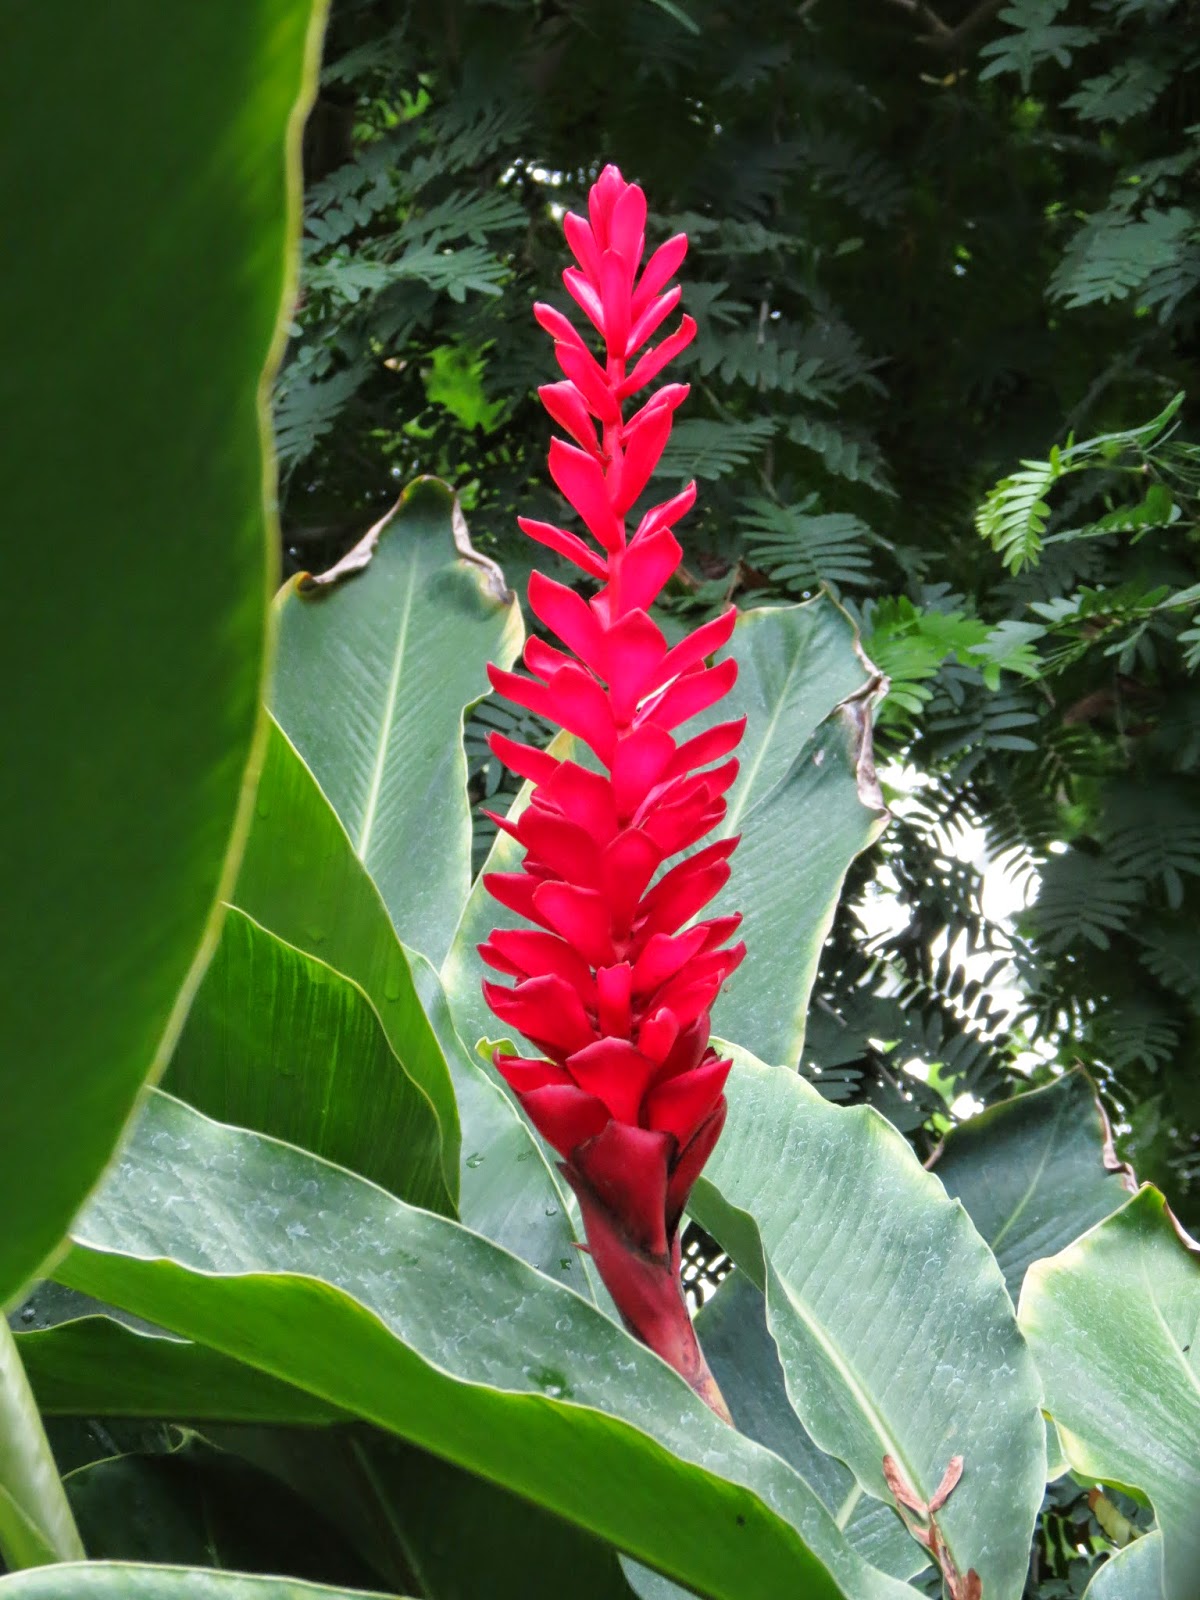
(614, 980)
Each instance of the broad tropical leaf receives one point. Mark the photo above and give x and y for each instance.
(119, 1580)
(279, 1042)
(745, 1361)
(1114, 1325)
(1031, 1172)
(199, 1506)
(805, 803)
(35, 1522)
(96, 1366)
(888, 1310)
(140, 543)
(378, 660)
(1134, 1573)
(508, 1191)
(301, 879)
(296, 1267)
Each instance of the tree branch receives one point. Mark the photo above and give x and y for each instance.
(943, 37)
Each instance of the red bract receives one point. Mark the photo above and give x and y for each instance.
(614, 979)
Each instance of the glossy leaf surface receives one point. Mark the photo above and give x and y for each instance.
(301, 879)
(1031, 1172)
(1134, 1573)
(135, 430)
(118, 1580)
(805, 803)
(279, 1042)
(890, 1315)
(1114, 1325)
(96, 1366)
(408, 1320)
(745, 1362)
(375, 670)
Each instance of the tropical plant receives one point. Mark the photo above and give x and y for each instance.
(925, 242)
(301, 1302)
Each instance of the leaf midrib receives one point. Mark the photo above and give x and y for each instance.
(847, 1374)
(1193, 1381)
(374, 788)
(1050, 1144)
(734, 815)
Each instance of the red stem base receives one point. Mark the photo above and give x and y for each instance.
(648, 1292)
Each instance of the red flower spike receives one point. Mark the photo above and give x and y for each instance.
(614, 982)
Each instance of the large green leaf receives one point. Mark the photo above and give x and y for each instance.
(528, 1210)
(1114, 1325)
(1135, 1573)
(894, 1330)
(279, 1042)
(95, 1367)
(301, 879)
(805, 803)
(408, 1320)
(406, 1511)
(508, 1190)
(139, 544)
(119, 1580)
(1031, 1172)
(197, 1506)
(377, 663)
(745, 1362)
(35, 1520)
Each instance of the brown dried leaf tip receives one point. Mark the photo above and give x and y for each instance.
(959, 1586)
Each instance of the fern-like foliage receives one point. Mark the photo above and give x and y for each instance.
(699, 448)
(1082, 898)
(843, 453)
(1036, 36)
(800, 549)
(1168, 952)
(1015, 513)
(1013, 518)
(1113, 256)
(1138, 1034)
(1128, 90)
(1153, 836)
(307, 408)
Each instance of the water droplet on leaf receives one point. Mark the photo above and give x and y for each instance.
(475, 1161)
(549, 1381)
